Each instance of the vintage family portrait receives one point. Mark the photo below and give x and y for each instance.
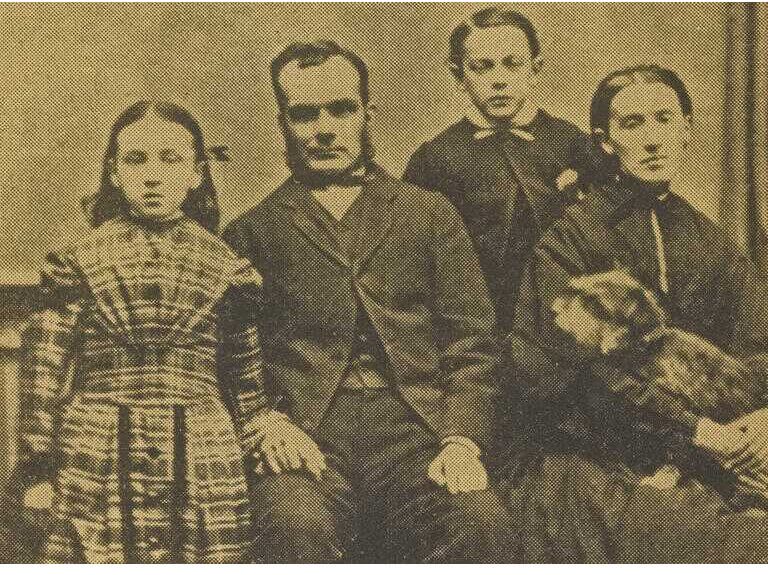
(384, 283)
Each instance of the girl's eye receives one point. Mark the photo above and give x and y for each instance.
(135, 157)
(480, 65)
(512, 64)
(170, 157)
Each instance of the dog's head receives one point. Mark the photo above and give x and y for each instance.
(609, 312)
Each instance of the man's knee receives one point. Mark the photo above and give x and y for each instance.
(296, 521)
(479, 524)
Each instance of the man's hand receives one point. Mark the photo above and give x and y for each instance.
(286, 447)
(39, 497)
(458, 469)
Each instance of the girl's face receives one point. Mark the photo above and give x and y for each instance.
(155, 167)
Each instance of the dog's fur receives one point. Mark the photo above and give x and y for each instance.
(612, 315)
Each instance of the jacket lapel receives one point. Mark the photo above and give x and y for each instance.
(377, 218)
(294, 197)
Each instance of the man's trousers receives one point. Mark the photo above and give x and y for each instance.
(375, 502)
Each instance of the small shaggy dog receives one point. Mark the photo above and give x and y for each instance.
(612, 315)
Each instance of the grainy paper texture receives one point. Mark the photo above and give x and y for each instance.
(368, 282)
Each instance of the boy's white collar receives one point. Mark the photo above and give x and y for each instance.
(524, 116)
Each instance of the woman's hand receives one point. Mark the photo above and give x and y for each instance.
(752, 458)
(286, 447)
(723, 441)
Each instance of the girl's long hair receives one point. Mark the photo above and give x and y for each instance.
(201, 203)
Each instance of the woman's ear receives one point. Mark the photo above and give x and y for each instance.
(599, 136)
(536, 65)
(687, 130)
(197, 178)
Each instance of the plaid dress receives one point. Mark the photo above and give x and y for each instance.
(137, 386)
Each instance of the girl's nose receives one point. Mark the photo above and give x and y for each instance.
(151, 183)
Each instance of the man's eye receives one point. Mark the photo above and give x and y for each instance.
(170, 157)
(303, 113)
(664, 117)
(342, 108)
(480, 65)
(134, 158)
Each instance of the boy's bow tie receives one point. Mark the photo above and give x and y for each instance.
(482, 133)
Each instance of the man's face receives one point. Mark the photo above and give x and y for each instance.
(323, 115)
(499, 72)
(648, 131)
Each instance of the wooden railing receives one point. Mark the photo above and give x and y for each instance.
(9, 348)
(18, 298)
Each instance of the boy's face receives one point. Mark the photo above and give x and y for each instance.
(155, 166)
(498, 71)
(323, 115)
(648, 131)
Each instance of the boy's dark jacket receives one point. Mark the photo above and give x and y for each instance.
(481, 178)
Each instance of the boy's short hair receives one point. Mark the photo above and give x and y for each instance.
(489, 18)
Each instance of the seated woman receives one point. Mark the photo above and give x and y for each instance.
(624, 469)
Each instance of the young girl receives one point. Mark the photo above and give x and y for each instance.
(121, 379)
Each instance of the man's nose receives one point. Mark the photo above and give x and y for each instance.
(151, 183)
(325, 138)
(498, 85)
(652, 148)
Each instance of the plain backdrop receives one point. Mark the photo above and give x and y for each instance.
(66, 71)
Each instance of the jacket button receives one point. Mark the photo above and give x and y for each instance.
(153, 452)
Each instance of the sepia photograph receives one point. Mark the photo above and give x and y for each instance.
(384, 283)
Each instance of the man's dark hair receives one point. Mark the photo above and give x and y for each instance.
(313, 54)
(489, 18)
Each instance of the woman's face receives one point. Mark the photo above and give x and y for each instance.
(648, 131)
(155, 167)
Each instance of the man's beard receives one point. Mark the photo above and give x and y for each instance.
(304, 173)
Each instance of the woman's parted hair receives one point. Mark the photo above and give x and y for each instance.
(600, 109)
(201, 203)
(604, 167)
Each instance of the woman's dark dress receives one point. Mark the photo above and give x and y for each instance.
(588, 433)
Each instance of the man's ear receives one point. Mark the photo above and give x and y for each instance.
(113, 177)
(370, 111)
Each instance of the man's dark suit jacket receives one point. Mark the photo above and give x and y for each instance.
(481, 178)
(417, 278)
